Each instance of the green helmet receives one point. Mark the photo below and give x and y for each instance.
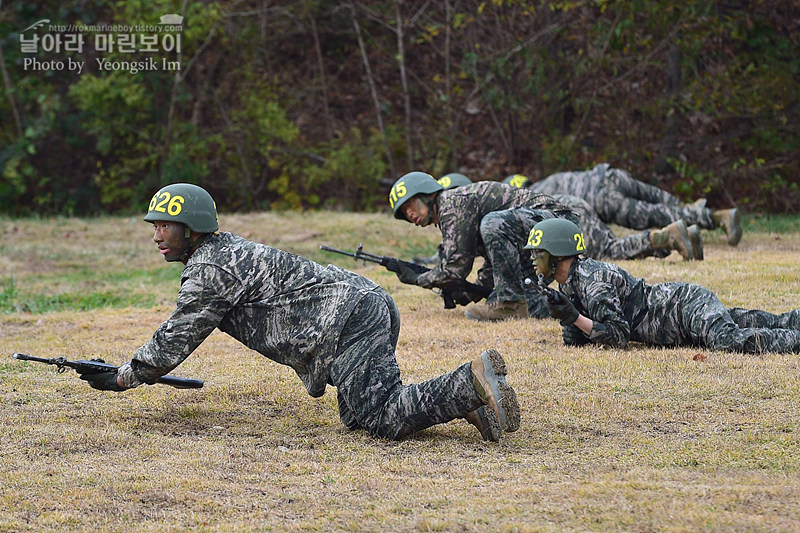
(551, 239)
(517, 180)
(185, 203)
(558, 236)
(408, 186)
(454, 179)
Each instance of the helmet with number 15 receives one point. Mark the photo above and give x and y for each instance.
(410, 186)
(185, 203)
(552, 239)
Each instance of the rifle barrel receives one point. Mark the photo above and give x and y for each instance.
(26, 357)
(326, 248)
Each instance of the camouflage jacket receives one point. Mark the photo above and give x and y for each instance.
(286, 307)
(623, 308)
(460, 213)
(583, 184)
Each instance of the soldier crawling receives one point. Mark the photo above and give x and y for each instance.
(603, 304)
(332, 326)
(618, 198)
(486, 219)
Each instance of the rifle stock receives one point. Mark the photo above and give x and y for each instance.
(82, 365)
(390, 263)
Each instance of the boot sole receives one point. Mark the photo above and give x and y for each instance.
(697, 241)
(491, 425)
(687, 241)
(734, 229)
(500, 397)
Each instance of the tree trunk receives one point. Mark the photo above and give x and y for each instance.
(12, 103)
(373, 91)
(322, 81)
(670, 140)
(404, 82)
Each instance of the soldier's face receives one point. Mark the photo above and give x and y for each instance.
(542, 262)
(170, 239)
(417, 211)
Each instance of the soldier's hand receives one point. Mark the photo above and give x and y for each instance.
(573, 336)
(465, 297)
(102, 380)
(562, 309)
(407, 274)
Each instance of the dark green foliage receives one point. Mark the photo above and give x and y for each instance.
(273, 105)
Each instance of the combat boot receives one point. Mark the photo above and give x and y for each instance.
(496, 311)
(697, 241)
(674, 236)
(485, 422)
(729, 220)
(698, 204)
(501, 411)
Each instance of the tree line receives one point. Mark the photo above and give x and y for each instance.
(317, 104)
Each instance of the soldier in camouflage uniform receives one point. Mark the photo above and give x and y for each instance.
(486, 219)
(332, 326)
(603, 304)
(448, 181)
(619, 199)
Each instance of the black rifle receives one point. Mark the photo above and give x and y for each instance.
(391, 265)
(82, 365)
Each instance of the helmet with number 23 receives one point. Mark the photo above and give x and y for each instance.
(551, 239)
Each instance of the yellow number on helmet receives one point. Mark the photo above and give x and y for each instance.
(164, 196)
(175, 205)
(535, 237)
(581, 243)
(445, 181)
(397, 192)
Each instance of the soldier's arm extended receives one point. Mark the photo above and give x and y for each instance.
(202, 303)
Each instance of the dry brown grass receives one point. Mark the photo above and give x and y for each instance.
(633, 440)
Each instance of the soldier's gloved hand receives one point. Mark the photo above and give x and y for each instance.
(465, 297)
(407, 274)
(573, 336)
(562, 309)
(101, 380)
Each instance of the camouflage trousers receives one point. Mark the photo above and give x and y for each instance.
(504, 235)
(369, 390)
(601, 242)
(634, 204)
(692, 315)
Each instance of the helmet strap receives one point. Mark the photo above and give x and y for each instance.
(190, 248)
(430, 201)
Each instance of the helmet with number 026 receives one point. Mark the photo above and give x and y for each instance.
(453, 180)
(408, 186)
(517, 180)
(185, 203)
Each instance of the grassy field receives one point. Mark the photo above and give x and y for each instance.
(644, 440)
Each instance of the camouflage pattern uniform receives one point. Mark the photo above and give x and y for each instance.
(617, 198)
(492, 220)
(330, 325)
(601, 242)
(625, 308)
